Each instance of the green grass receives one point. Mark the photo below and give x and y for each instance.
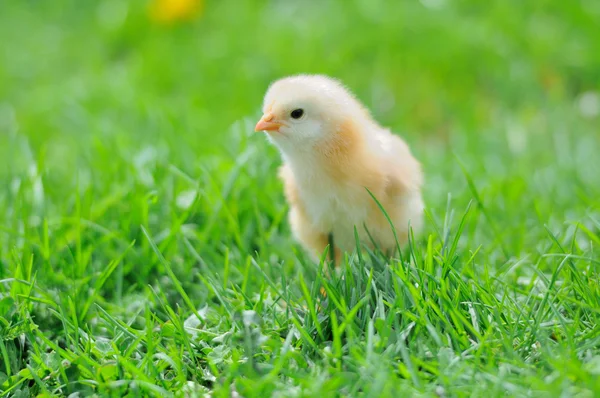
(144, 248)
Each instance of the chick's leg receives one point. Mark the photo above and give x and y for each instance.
(313, 240)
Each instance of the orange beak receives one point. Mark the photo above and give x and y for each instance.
(266, 124)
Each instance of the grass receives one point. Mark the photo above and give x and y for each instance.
(144, 249)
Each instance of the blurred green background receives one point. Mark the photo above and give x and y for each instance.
(74, 70)
(100, 97)
(112, 121)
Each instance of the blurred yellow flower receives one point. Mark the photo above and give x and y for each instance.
(167, 11)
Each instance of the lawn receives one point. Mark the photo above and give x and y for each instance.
(144, 247)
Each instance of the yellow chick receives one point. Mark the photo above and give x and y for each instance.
(334, 153)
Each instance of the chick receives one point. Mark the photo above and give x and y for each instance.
(333, 154)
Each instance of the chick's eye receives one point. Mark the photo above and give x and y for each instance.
(297, 113)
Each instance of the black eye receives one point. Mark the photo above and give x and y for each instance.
(297, 113)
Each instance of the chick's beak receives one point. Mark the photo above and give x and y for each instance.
(266, 123)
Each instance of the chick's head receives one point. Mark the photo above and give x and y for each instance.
(302, 111)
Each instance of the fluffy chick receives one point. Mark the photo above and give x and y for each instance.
(333, 151)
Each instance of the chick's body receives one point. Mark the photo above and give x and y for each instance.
(333, 152)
